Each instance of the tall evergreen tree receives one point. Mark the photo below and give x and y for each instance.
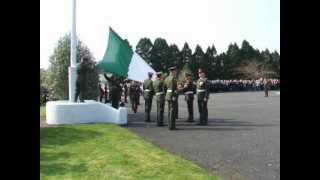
(197, 59)
(144, 48)
(174, 57)
(206, 64)
(159, 55)
(248, 52)
(234, 54)
(186, 53)
(275, 56)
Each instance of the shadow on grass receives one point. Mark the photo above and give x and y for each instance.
(52, 136)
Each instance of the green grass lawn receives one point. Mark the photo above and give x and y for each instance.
(107, 151)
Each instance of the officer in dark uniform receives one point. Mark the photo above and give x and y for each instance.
(171, 89)
(158, 86)
(189, 90)
(140, 92)
(106, 94)
(114, 90)
(203, 97)
(148, 92)
(125, 87)
(102, 93)
(81, 82)
(45, 96)
(134, 90)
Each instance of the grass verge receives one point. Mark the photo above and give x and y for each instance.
(107, 151)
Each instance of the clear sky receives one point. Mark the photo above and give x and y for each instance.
(203, 22)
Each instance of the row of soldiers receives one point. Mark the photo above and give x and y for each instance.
(169, 90)
(117, 88)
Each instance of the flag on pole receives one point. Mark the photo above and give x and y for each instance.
(120, 59)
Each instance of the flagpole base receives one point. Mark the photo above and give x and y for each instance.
(66, 112)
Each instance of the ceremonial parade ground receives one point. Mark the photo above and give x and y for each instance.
(241, 141)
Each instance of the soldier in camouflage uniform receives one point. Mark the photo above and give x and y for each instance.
(171, 89)
(115, 90)
(148, 92)
(81, 82)
(203, 97)
(134, 90)
(158, 86)
(189, 90)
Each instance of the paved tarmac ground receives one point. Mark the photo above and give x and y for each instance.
(241, 142)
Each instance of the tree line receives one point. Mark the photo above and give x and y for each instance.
(237, 62)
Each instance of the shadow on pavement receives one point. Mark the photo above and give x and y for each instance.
(214, 124)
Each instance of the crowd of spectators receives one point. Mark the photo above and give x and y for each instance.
(242, 85)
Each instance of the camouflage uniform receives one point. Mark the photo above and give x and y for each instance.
(203, 97)
(81, 82)
(134, 89)
(171, 98)
(158, 86)
(114, 90)
(148, 92)
(189, 90)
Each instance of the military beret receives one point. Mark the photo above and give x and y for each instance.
(200, 70)
(172, 68)
(86, 57)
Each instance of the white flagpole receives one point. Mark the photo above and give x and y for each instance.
(73, 55)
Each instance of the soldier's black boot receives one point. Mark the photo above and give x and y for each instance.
(160, 123)
(147, 118)
(190, 119)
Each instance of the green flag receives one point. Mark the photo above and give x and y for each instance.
(117, 57)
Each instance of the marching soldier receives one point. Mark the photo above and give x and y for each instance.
(158, 86)
(114, 90)
(171, 97)
(148, 95)
(189, 90)
(203, 97)
(134, 90)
